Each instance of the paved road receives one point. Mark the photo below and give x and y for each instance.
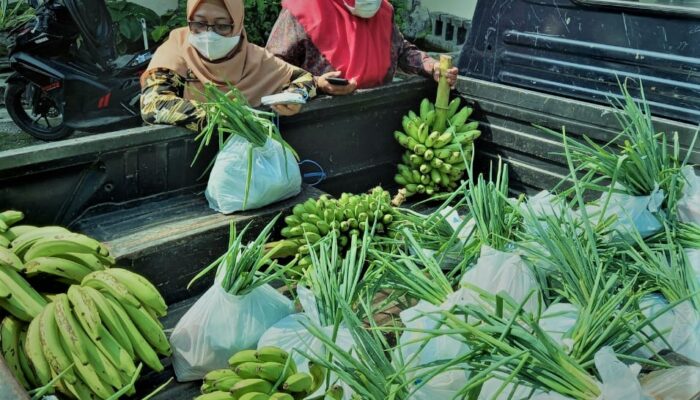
(11, 137)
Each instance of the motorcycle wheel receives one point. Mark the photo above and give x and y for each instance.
(34, 112)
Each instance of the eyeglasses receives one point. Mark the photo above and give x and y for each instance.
(201, 27)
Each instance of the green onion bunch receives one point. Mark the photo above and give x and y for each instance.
(244, 268)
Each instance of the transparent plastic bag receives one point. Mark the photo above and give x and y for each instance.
(689, 203)
(290, 334)
(679, 327)
(693, 256)
(275, 176)
(511, 391)
(220, 324)
(633, 212)
(679, 383)
(415, 352)
(619, 381)
(495, 272)
(558, 321)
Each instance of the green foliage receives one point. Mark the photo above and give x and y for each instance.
(260, 17)
(127, 17)
(14, 15)
(400, 12)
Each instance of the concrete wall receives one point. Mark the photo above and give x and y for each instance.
(459, 8)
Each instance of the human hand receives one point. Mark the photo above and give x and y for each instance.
(334, 90)
(286, 110)
(452, 74)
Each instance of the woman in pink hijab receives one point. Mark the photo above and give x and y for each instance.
(353, 39)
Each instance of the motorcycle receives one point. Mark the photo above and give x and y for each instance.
(67, 73)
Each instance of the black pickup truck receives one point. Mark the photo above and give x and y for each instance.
(551, 63)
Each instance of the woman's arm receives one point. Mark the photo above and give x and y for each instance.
(286, 40)
(162, 101)
(302, 82)
(413, 61)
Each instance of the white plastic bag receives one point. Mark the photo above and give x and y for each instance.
(633, 212)
(679, 326)
(273, 178)
(219, 325)
(619, 380)
(689, 203)
(496, 271)
(679, 383)
(416, 352)
(694, 259)
(518, 391)
(290, 334)
(558, 321)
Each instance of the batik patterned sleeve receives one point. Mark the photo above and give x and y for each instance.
(302, 82)
(162, 101)
(287, 39)
(411, 60)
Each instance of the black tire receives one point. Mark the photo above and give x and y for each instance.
(16, 104)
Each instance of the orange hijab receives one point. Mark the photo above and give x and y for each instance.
(251, 69)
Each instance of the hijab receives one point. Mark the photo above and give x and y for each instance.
(251, 69)
(360, 48)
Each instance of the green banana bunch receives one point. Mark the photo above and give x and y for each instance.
(10, 333)
(435, 161)
(17, 296)
(9, 218)
(346, 216)
(265, 373)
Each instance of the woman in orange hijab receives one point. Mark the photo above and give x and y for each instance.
(214, 49)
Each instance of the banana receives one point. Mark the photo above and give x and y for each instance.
(4, 242)
(213, 376)
(216, 396)
(281, 396)
(453, 107)
(16, 231)
(424, 108)
(69, 329)
(10, 217)
(254, 396)
(250, 386)
(23, 294)
(10, 330)
(247, 370)
(242, 357)
(318, 373)
(24, 362)
(25, 240)
(105, 282)
(33, 350)
(90, 261)
(141, 347)
(224, 384)
(109, 319)
(63, 243)
(142, 289)
(92, 380)
(299, 382)
(59, 267)
(9, 258)
(149, 328)
(335, 393)
(273, 371)
(79, 390)
(51, 345)
(85, 310)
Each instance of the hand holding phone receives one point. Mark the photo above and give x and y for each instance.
(331, 83)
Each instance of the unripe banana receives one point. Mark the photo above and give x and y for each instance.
(52, 347)
(109, 319)
(216, 396)
(250, 386)
(299, 382)
(271, 354)
(35, 354)
(142, 289)
(254, 396)
(10, 330)
(335, 393)
(281, 396)
(63, 243)
(217, 374)
(242, 357)
(247, 370)
(9, 259)
(453, 107)
(10, 217)
(58, 267)
(107, 283)
(273, 371)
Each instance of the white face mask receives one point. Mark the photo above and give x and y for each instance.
(365, 8)
(213, 46)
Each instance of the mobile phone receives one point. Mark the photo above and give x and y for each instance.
(338, 81)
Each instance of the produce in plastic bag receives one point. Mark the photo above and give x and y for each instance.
(694, 259)
(689, 203)
(290, 334)
(274, 176)
(633, 212)
(619, 380)
(679, 326)
(220, 324)
(510, 391)
(558, 321)
(498, 271)
(416, 352)
(679, 383)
